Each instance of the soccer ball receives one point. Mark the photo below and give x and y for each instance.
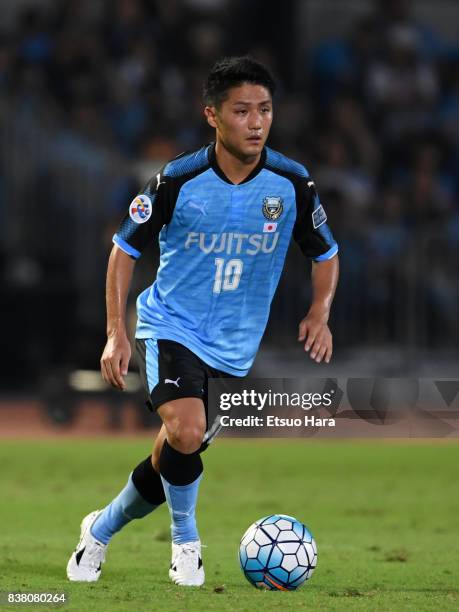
(278, 553)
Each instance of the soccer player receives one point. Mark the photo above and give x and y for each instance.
(225, 215)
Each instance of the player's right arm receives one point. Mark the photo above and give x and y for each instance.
(147, 214)
(117, 352)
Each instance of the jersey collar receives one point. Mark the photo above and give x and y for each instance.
(219, 172)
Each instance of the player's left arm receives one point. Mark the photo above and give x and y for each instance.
(316, 241)
(313, 329)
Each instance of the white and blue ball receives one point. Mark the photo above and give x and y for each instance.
(278, 552)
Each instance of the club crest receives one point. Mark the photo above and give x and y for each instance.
(272, 207)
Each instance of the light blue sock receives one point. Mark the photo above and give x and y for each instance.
(127, 506)
(181, 500)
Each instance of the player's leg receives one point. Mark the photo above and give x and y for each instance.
(170, 373)
(181, 470)
(142, 494)
(180, 463)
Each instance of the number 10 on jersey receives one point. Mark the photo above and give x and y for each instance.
(227, 274)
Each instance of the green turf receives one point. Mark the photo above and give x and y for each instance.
(385, 517)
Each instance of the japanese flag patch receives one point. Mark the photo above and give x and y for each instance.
(268, 228)
(319, 217)
(140, 209)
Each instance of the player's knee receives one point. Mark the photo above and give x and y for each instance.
(187, 438)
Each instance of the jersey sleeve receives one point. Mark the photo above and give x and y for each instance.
(148, 212)
(311, 231)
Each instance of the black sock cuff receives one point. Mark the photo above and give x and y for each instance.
(179, 468)
(148, 483)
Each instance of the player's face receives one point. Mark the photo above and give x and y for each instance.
(243, 120)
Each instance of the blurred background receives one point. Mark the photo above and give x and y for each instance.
(95, 95)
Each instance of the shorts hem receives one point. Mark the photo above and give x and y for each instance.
(154, 405)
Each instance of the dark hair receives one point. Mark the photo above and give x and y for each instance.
(231, 72)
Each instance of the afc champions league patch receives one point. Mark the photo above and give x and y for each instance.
(140, 209)
(272, 207)
(319, 216)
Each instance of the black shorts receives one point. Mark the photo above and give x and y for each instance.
(170, 371)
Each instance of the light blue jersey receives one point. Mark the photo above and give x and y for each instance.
(223, 247)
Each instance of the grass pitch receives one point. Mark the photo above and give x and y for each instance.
(385, 517)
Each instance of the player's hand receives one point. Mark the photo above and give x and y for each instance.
(316, 335)
(115, 360)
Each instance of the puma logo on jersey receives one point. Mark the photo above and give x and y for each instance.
(172, 382)
(159, 181)
(200, 207)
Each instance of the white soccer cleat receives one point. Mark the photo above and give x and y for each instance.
(186, 567)
(86, 561)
